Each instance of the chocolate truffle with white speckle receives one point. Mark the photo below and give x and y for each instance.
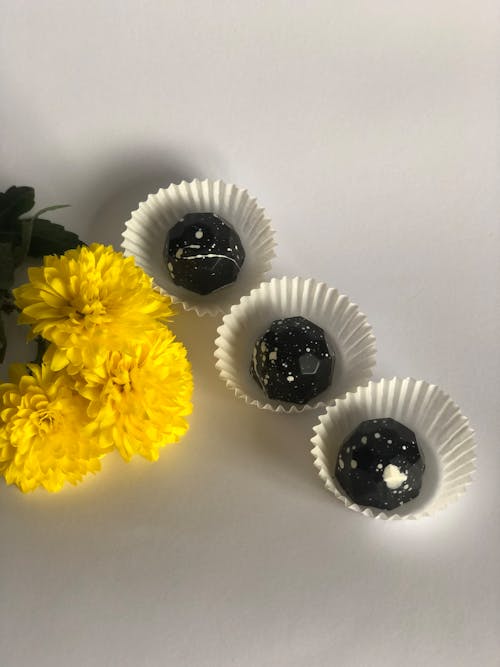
(380, 464)
(291, 361)
(203, 253)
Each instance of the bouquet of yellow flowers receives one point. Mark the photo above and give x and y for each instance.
(111, 375)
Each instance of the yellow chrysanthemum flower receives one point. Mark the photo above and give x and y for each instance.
(42, 439)
(7, 451)
(140, 397)
(88, 297)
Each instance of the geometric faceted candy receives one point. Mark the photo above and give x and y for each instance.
(291, 360)
(380, 464)
(203, 253)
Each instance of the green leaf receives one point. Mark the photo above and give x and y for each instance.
(3, 340)
(13, 203)
(11, 237)
(48, 238)
(6, 266)
(7, 304)
(22, 249)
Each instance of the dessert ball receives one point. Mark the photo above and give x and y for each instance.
(291, 361)
(380, 464)
(203, 253)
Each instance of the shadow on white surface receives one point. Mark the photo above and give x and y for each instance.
(276, 443)
(124, 182)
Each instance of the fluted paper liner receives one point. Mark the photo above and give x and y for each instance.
(443, 435)
(146, 232)
(346, 329)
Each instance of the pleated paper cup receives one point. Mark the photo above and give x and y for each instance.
(146, 232)
(442, 432)
(347, 332)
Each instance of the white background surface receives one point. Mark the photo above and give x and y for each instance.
(368, 131)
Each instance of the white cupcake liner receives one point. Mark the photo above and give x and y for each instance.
(346, 329)
(146, 232)
(443, 435)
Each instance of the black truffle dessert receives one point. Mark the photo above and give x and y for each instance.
(380, 464)
(291, 361)
(203, 253)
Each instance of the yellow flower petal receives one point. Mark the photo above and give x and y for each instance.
(42, 431)
(89, 296)
(55, 358)
(140, 398)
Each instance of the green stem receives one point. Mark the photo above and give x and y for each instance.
(41, 348)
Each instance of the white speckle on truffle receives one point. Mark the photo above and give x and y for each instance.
(199, 234)
(290, 378)
(364, 440)
(377, 435)
(393, 476)
(341, 464)
(178, 254)
(273, 355)
(210, 256)
(354, 463)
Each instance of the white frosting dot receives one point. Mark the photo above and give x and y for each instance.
(199, 234)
